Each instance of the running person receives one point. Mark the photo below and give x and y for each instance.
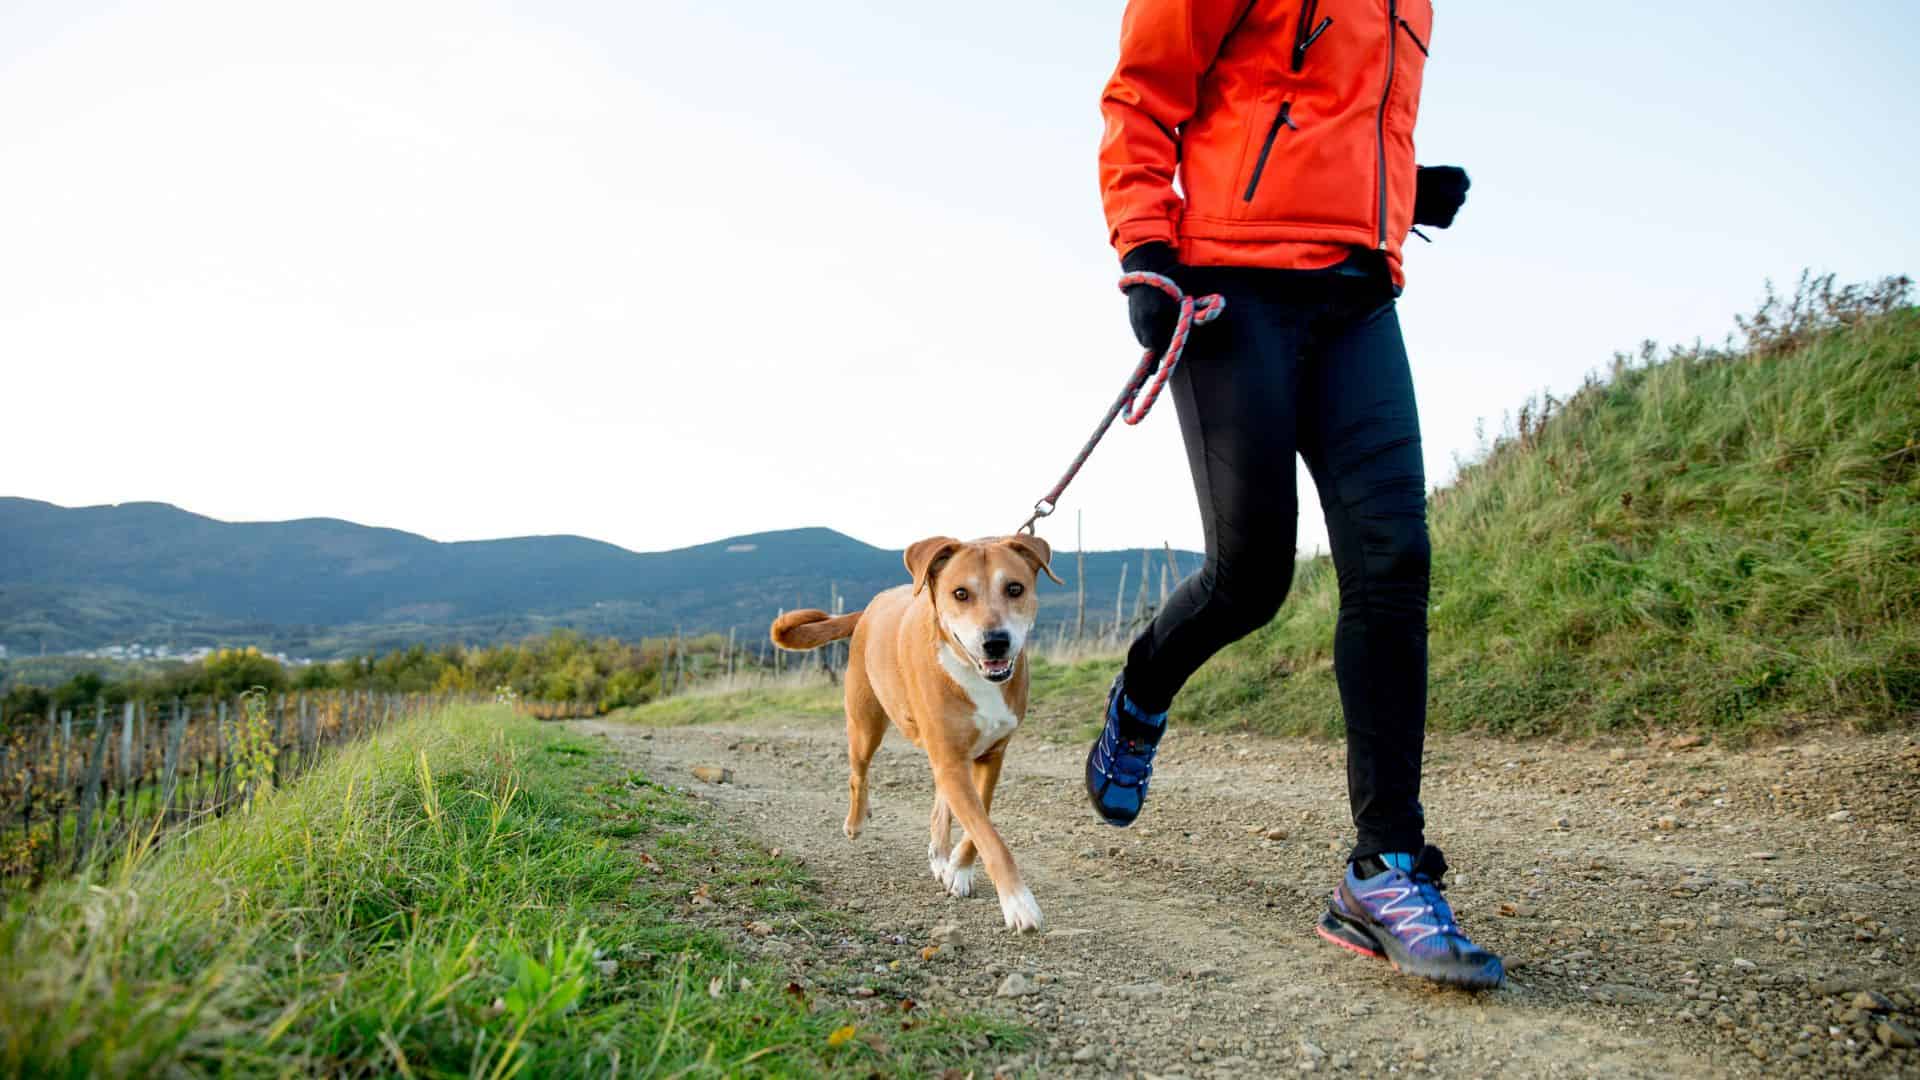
(1288, 125)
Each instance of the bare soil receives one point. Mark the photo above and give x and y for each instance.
(1664, 908)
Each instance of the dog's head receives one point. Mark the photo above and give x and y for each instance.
(983, 594)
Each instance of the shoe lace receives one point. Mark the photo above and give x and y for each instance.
(1429, 889)
(1128, 761)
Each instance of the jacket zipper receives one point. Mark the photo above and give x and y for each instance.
(1380, 121)
(1417, 43)
(1306, 32)
(1284, 118)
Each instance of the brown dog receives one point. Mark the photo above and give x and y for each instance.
(943, 659)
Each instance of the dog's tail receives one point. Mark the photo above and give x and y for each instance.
(810, 629)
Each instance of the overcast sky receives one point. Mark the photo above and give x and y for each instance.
(664, 272)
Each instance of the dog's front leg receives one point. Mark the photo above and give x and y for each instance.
(1017, 906)
(986, 777)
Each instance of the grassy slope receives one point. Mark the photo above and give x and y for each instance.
(458, 898)
(1707, 540)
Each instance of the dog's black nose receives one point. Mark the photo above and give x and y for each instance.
(996, 644)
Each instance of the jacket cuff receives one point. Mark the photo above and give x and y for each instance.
(1131, 234)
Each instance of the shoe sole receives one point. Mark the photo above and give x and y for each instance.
(1354, 937)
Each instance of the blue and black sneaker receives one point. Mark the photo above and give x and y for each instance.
(1121, 762)
(1390, 906)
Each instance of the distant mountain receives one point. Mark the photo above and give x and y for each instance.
(75, 578)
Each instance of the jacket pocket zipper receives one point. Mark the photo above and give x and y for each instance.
(1417, 43)
(1307, 32)
(1282, 119)
(1380, 119)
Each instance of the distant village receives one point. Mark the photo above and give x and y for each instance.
(137, 651)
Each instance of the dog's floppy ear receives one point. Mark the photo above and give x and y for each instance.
(926, 557)
(1034, 550)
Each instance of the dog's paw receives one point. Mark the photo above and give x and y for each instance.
(853, 826)
(958, 879)
(1020, 911)
(937, 863)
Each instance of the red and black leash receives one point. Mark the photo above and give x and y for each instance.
(1129, 405)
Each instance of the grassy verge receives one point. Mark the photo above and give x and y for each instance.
(471, 894)
(809, 700)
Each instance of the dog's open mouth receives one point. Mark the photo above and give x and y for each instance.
(997, 670)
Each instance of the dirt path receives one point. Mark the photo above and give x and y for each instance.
(1664, 910)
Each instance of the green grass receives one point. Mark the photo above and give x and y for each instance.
(808, 700)
(465, 896)
(1714, 539)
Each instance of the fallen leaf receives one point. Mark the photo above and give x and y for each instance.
(841, 1036)
(799, 994)
(929, 952)
(717, 988)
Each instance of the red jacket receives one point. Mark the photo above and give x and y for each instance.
(1289, 125)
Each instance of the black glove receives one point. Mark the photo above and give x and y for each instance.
(1438, 194)
(1152, 312)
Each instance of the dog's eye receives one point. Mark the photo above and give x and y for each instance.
(1015, 589)
(960, 595)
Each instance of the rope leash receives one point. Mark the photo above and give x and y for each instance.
(1130, 405)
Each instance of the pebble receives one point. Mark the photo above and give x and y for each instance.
(1139, 991)
(1561, 824)
(1017, 985)
(1086, 1053)
(1840, 815)
(1872, 1001)
(1667, 823)
(1684, 742)
(1895, 1036)
(945, 932)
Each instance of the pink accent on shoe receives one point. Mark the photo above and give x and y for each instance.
(1347, 945)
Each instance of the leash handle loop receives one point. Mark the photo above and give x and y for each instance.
(1149, 375)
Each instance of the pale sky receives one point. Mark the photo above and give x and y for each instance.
(664, 272)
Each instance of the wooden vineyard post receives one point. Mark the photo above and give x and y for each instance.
(1120, 598)
(90, 795)
(1080, 575)
(66, 749)
(170, 763)
(1140, 602)
(124, 765)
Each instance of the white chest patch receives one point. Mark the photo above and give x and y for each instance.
(991, 717)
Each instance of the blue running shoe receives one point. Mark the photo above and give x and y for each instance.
(1121, 763)
(1399, 915)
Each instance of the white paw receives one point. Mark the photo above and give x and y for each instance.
(937, 863)
(1020, 910)
(958, 879)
